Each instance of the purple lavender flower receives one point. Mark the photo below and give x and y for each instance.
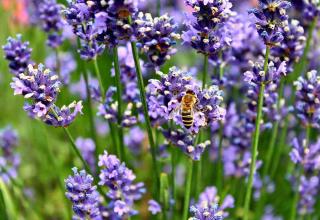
(9, 160)
(154, 207)
(41, 86)
(306, 156)
(307, 104)
(65, 65)
(292, 46)
(81, 17)
(186, 142)
(120, 181)
(258, 76)
(51, 21)
(164, 99)
(109, 110)
(156, 37)
(87, 148)
(207, 207)
(83, 195)
(135, 139)
(206, 31)
(269, 215)
(270, 17)
(18, 54)
(308, 191)
(311, 9)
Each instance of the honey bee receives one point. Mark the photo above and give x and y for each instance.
(188, 103)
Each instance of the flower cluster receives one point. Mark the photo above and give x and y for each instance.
(306, 156)
(83, 195)
(307, 104)
(120, 181)
(18, 53)
(156, 37)
(87, 148)
(292, 45)
(41, 86)
(271, 16)
(206, 32)
(207, 207)
(51, 21)
(80, 16)
(9, 160)
(258, 76)
(186, 142)
(165, 96)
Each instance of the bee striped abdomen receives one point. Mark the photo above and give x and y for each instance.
(187, 119)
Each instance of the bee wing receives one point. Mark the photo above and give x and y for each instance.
(175, 111)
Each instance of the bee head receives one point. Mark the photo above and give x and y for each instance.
(190, 92)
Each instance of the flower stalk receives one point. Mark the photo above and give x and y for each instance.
(119, 99)
(255, 142)
(188, 189)
(145, 112)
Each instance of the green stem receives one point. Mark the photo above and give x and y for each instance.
(119, 99)
(255, 142)
(97, 70)
(205, 71)
(145, 111)
(187, 190)
(293, 212)
(158, 8)
(220, 162)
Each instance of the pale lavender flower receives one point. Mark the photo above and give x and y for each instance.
(135, 140)
(269, 215)
(9, 160)
(154, 207)
(64, 67)
(87, 148)
(308, 190)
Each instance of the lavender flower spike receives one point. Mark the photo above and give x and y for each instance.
(156, 36)
(18, 54)
(83, 195)
(271, 15)
(307, 104)
(122, 191)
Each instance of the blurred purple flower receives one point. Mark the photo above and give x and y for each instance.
(9, 160)
(18, 54)
(307, 105)
(87, 148)
(51, 21)
(309, 188)
(154, 207)
(135, 140)
(66, 65)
